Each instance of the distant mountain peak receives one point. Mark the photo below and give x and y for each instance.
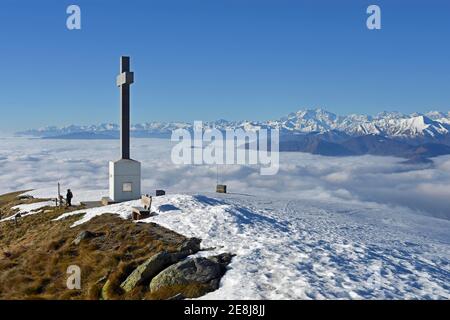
(394, 124)
(390, 115)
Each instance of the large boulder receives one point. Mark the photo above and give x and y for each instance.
(191, 278)
(158, 262)
(150, 268)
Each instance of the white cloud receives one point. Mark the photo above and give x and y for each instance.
(83, 164)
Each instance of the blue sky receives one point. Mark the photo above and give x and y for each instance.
(210, 59)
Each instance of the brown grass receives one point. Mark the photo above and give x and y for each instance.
(35, 254)
(10, 197)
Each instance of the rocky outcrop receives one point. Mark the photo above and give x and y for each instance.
(155, 264)
(147, 270)
(84, 235)
(191, 278)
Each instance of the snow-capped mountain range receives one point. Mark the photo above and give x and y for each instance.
(431, 125)
(389, 124)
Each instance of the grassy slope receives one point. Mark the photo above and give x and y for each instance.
(35, 254)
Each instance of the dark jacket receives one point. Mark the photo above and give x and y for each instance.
(69, 195)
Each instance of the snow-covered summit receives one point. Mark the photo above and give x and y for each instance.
(306, 249)
(439, 116)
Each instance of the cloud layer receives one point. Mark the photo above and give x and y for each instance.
(83, 165)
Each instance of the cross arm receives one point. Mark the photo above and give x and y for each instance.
(125, 78)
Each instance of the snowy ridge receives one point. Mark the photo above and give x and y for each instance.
(302, 249)
(390, 124)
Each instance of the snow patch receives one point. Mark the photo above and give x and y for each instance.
(29, 209)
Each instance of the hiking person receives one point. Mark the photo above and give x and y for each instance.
(69, 197)
(17, 216)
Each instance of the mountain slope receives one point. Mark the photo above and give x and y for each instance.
(378, 145)
(304, 249)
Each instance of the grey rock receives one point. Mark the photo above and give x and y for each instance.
(83, 235)
(191, 245)
(203, 273)
(223, 259)
(150, 268)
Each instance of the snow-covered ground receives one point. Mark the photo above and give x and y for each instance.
(303, 249)
(29, 209)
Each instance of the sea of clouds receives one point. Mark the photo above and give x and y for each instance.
(83, 165)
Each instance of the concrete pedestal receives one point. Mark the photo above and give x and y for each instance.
(124, 180)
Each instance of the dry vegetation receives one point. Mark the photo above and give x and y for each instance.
(36, 252)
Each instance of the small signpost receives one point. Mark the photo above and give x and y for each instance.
(58, 200)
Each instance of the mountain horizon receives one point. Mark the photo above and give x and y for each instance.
(307, 120)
